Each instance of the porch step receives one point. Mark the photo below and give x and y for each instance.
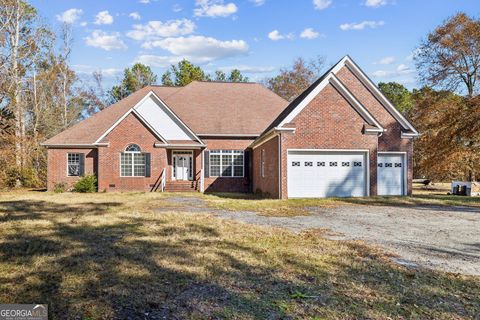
(180, 186)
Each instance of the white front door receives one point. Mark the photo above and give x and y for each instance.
(319, 174)
(182, 166)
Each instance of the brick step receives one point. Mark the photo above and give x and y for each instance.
(180, 186)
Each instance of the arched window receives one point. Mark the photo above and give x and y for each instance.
(133, 163)
(133, 148)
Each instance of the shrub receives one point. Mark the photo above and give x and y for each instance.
(59, 187)
(86, 184)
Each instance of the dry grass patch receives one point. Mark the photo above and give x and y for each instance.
(105, 256)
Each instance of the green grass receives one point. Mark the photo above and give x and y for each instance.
(105, 256)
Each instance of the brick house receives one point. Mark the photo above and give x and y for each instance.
(340, 137)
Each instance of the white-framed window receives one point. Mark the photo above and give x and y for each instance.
(132, 162)
(227, 163)
(73, 164)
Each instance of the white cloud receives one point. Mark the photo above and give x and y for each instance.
(135, 16)
(386, 60)
(321, 4)
(159, 29)
(70, 16)
(105, 41)
(275, 35)
(83, 23)
(103, 17)
(199, 49)
(258, 2)
(214, 8)
(158, 61)
(248, 69)
(361, 25)
(309, 33)
(375, 3)
(87, 69)
(400, 70)
(144, 1)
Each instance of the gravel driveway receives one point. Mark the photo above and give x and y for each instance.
(445, 238)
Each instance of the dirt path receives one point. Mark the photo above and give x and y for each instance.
(444, 238)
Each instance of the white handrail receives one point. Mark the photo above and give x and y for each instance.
(202, 186)
(163, 183)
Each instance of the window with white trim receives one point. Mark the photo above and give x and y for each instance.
(226, 163)
(132, 162)
(73, 164)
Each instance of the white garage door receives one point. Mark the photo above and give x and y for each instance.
(391, 170)
(318, 174)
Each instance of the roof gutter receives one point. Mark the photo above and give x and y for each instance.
(272, 133)
(180, 146)
(409, 135)
(77, 145)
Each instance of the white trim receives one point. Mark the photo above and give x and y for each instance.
(367, 162)
(148, 95)
(272, 133)
(80, 145)
(221, 164)
(352, 66)
(145, 122)
(202, 173)
(354, 102)
(313, 93)
(405, 168)
(188, 154)
(408, 135)
(179, 146)
(280, 166)
(68, 175)
(133, 163)
(229, 135)
(349, 63)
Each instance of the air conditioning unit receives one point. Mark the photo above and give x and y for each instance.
(461, 188)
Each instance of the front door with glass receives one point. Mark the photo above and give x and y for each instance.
(182, 166)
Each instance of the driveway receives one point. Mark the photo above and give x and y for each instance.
(438, 237)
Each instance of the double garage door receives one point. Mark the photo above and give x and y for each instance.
(319, 174)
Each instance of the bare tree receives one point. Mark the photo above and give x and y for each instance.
(450, 55)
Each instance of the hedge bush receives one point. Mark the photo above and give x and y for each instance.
(86, 184)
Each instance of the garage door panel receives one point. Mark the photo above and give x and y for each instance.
(391, 174)
(326, 174)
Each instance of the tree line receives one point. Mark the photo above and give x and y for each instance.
(41, 95)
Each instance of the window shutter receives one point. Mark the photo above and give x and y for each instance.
(206, 164)
(147, 165)
(246, 163)
(82, 164)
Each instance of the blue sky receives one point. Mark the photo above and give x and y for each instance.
(256, 36)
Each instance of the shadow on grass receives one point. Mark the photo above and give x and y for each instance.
(146, 267)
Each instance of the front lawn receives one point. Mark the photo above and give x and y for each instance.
(435, 195)
(104, 256)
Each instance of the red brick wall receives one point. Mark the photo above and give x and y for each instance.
(329, 122)
(391, 139)
(267, 184)
(222, 184)
(57, 166)
(130, 130)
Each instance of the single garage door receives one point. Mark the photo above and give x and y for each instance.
(391, 174)
(318, 174)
